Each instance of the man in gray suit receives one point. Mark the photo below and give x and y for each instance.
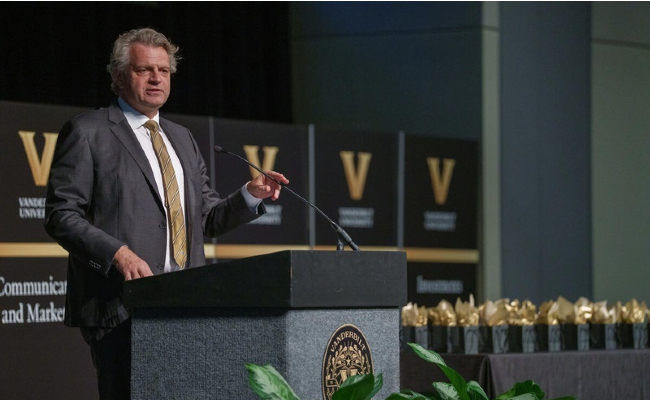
(108, 203)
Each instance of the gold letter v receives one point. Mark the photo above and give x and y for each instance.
(40, 166)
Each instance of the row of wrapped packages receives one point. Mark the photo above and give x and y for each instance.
(505, 326)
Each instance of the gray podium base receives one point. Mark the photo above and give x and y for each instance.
(199, 353)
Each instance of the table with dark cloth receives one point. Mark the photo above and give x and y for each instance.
(587, 375)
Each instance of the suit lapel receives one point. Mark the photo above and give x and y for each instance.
(124, 133)
(178, 143)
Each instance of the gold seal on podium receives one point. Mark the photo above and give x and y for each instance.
(347, 354)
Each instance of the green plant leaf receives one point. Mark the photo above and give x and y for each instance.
(400, 396)
(525, 396)
(428, 355)
(520, 388)
(268, 383)
(455, 378)
(457, 381)
(407, 394)
(446, 391)
(379, 382)
(359, 387)
(475, 391)
(506, 395)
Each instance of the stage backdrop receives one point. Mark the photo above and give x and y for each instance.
(356, 186)
(388, 191)
(270, 146)
(39, 357)
(441, 192)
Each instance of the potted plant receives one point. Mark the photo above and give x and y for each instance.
(270, 385)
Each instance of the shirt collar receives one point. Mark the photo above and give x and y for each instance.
(135, 118)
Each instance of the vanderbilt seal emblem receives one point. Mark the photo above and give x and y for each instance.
(347, 354)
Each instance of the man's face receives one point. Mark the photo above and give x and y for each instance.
(145, 85)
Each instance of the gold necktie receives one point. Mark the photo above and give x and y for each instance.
(172, 195)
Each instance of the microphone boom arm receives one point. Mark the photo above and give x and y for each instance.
(343, 238)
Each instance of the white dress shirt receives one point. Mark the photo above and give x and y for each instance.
(136, 120)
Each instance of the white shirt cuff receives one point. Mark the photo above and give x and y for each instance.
(251, 201)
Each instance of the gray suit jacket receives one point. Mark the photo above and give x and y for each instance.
(102, 195)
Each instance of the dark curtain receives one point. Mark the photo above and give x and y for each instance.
(235, 55)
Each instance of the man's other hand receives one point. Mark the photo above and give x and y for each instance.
(130, 265)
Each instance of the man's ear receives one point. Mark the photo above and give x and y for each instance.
(120, 79)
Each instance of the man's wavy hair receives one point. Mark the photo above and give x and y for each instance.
(120, 58)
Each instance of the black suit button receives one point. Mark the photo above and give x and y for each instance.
(162, 225)
(160, 266)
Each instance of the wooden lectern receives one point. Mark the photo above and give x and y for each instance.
(193, 330)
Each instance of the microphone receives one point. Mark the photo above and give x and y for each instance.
(343, 237)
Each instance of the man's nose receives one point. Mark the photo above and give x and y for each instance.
(155, 75)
